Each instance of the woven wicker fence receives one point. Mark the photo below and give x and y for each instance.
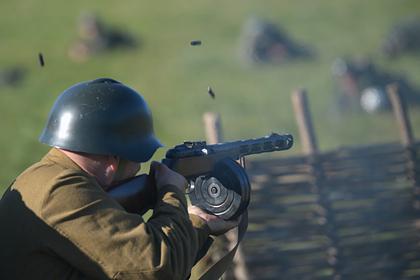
(353, 213)
(347, 214)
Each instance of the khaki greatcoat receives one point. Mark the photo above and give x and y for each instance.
(56, 222)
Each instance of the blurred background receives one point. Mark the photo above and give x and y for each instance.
(242, 60)
(252, 55)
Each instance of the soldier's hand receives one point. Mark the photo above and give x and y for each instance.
(217, 225)
(165, 176)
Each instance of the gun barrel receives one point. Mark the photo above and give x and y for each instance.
(270, 143)
(235, 149)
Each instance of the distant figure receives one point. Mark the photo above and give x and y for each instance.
(359, 84)
(264, 42)
(95, 37)
(403, 37)
(11, 76)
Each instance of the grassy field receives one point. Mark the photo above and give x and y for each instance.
(173, 76)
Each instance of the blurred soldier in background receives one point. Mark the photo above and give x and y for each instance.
(403, 37)
(57, 220)
(359, 84)
(96, 37)
(12, 76)
(264, 42)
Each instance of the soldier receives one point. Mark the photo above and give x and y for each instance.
(404, 37)
(57, 220)
(262, 41)
(96, 37)
(12, 76)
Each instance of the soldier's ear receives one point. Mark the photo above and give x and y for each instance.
(110, 165)
(113, 162)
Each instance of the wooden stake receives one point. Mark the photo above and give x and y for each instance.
(401, 115)
(304, 122)
(213, 129)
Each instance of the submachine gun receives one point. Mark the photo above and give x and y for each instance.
(217, 183)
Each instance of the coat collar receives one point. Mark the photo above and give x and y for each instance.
(58, 157)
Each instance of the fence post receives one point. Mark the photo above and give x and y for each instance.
(304, 122)
(401, 115)
(407, 139)
(326, 215)
(213, 129)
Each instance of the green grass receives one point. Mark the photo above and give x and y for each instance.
(173, 76)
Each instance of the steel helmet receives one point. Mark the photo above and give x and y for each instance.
(103, 117)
